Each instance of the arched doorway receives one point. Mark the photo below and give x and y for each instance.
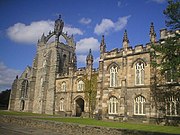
(79, 107)
(22, 105)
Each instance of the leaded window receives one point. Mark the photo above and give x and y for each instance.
(113, 105)
(80, 86)
(139, 105)
(113, 76)
(63, 86)
(61, 105)
(139, 73)
(24, 88)
(173, 106)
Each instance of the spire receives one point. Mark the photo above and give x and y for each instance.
(125, 40)
(152, 33)
(103, 45)
(89, 58)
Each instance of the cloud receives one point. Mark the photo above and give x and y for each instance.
(107, 25)
(85, 21)
(96, 60)
(104, 27)
(83, 45)
(29, 34)
(159, 1)
(7, 75)
(81, 58)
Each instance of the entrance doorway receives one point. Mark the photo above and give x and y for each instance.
(79, 107)
(22, 105)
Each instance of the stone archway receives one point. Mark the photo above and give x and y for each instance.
(79, 107)
(22, 105)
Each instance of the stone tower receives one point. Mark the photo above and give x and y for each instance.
(152, 34)
(52, 59)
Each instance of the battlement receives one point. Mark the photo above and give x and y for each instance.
(130, 51)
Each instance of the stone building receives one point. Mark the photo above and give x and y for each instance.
(54, 84)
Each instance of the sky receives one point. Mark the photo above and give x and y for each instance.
(22, 22)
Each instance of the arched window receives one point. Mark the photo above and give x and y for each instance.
(63, 86)
(139, 105)
(61, 105)
(80, 86)
(44, 63)
(139, 73)
(172, 106)
(41, 82)
(113, 105)
(113, 76)
(24, 88)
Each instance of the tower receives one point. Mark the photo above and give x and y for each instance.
(125, 40)
(102, 46)
(89, 63)
(152, 33)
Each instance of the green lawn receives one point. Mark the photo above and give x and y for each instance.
(93, 122)
(5, 112)
(122, 125)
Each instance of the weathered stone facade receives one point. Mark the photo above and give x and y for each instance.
(54, 85)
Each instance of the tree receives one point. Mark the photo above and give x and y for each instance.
(165, 62)
(172, 13)
(90, 92)
(4, 98)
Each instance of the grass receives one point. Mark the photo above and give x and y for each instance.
(121, 125)
(6, 112)
(93, 122)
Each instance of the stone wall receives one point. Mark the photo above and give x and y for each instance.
(72, 129)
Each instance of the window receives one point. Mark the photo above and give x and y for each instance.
(44, 63)
(139, 73)
(80, 86)
(113, 105)
(113, 76)
(173, 106)
(63, 86)
(61, 105)
(170, 76)
(24, 89)
(139, 105)
(41, 82)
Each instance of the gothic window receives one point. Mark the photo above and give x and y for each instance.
(139, 105)
(80, 86)
(44, 63)
(113, 105)
(113, 76)
(139, 73)
(169, 76)
(173, 106)
(61, 105)
(41, 82)
(63, 86)
(24, 88)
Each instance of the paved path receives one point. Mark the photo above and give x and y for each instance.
(12, 129)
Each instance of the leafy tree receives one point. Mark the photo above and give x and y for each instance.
(172, 13)
(90, 92)
(4, 98)
(165, 62)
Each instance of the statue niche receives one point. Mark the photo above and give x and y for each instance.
(58, 27)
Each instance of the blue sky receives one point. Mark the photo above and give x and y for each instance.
(24, 21)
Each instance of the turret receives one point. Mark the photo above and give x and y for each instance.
(89, 58)
(103, 45)
(125, 40)
(152, 34)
